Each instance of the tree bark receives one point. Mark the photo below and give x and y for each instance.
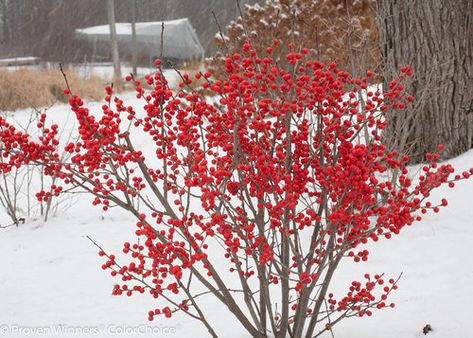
(113, 42)
(436, 38)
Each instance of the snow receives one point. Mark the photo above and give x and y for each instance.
(27, 60)
(51, 275)
(179, 38)
(124, 28)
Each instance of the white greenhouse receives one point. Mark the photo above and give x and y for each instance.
(180, 42)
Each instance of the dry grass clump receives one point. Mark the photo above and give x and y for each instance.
(26, 88)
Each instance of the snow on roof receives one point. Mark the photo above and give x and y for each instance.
(124, 28)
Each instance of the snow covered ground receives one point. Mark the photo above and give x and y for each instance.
(50, 275)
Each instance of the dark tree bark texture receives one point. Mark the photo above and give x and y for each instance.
(436, 38)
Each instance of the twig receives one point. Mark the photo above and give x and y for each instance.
(20, 220)
(242, 18)
(220, 31)
(65, 77)
(162, 41)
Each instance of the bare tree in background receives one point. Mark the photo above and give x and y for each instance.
(134, 52)
(3, 4)
(113, 42)
(436, 38)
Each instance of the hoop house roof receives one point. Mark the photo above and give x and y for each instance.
(180, 40)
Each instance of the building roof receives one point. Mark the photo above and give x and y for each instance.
(180, 39)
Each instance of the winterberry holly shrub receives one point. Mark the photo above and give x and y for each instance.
(19, 183)
(253, 199)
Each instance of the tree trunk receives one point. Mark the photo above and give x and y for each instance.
(436, 38)
(114, 43)
(134, 50)
(5, 34)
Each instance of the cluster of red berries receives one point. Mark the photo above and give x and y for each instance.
(276, 159)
